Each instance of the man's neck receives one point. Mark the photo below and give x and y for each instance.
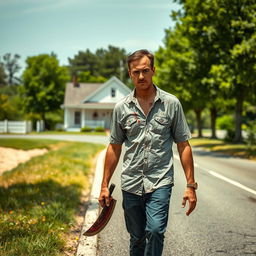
(146, 94)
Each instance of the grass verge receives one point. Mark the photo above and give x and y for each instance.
(220, 146)
(71, 133)
(40, 199)
(27, 144)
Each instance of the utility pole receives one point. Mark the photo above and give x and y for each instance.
(121, 70)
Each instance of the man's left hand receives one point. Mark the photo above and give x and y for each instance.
(190, 196)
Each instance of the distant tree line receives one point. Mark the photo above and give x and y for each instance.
(99, 66)
(209, 59)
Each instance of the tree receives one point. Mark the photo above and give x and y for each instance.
(3, 76)
(86, 77)
(111, 62)
(84, 61)
(222, 37)
(224, 30)
(11, 66)
(43, 85)
(104, 63)
(179, 72)
(10, 103)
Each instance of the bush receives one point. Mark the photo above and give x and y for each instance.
(86, 129)
(99, 129)
(251, 135)
(230, 135)
(225, 122)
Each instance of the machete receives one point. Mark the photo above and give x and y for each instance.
(104, 216)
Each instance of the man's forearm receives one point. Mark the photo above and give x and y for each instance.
(186, 159)
(111, 161)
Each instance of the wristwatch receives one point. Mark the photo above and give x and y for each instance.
(192, 185)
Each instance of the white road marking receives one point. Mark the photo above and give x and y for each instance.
(217, 175)
(235, 183)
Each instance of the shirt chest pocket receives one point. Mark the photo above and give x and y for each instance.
(160, 124)
(132, 126)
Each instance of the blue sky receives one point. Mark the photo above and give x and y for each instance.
(32, 27)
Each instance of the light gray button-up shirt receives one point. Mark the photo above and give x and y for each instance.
(148, 159)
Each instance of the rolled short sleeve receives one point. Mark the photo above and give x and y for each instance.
(117, 135)
(180, 130)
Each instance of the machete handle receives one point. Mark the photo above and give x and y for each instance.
(111, 188)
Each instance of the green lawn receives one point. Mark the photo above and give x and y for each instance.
(27, 144)
(72, 133)
(220, 146)
(40, 199)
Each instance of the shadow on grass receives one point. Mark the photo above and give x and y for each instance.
(34, 215)
(24, 196)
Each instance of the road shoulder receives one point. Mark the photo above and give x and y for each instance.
(88, 245)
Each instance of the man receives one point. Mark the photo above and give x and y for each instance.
(148, 121)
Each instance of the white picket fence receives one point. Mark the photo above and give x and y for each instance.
(7, 126)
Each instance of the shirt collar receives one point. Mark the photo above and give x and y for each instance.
(131, 97)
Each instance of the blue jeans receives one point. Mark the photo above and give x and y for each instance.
(146, 220)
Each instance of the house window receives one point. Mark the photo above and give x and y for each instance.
(77, 118)
(95, 115)
(113, 92)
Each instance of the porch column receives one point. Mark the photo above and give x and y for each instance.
(83, 118)
(65, 118)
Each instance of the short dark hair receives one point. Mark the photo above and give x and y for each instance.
(138, 55)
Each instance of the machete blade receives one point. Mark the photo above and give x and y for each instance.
(103, 218)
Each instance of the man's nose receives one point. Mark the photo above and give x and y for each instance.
(141, 76)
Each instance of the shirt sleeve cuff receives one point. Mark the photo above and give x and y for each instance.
(182, 139)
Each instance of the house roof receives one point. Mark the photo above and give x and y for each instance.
(75, 95)
(111, 80)
(81, 96)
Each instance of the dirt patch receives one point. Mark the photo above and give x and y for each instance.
(11, 158)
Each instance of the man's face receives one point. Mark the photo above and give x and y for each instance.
(141, 73)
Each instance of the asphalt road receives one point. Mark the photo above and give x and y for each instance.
(224, 222)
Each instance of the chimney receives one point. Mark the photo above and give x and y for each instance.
(75, 82)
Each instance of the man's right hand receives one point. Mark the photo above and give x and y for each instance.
(104, 198)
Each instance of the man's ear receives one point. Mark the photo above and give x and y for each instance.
(154, 70)
(129, 72)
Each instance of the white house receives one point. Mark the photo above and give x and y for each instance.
(91, 104)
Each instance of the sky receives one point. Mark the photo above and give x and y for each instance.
(32, 27)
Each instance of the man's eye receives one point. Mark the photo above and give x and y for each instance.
(145, 71)
(136, 72)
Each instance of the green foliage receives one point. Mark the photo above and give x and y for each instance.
(99, 66)
(10, 103)
(86, 129)
(251, 135)
(210, 55)
(86, 77)
(44, 82)
(54, 118)
(3, 75)
(225, 122)
(99, 129)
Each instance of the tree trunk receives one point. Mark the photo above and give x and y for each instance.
(213, 122)
(238, 122)
(199, 122)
